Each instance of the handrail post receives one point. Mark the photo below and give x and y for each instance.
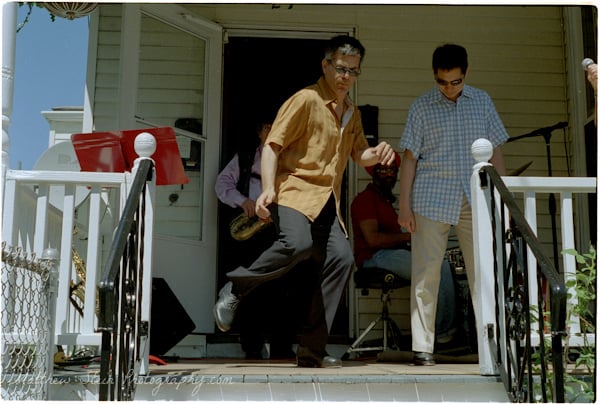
(145, 146)
(125, 286)
(483, 296)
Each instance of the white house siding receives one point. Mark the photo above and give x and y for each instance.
(516, 53)
(171, 80)
(107, 67)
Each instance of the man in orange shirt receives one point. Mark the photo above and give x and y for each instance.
(314, 134)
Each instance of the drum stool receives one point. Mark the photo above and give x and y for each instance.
(386, 281)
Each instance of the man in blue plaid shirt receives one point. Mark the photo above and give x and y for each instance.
(435, 181)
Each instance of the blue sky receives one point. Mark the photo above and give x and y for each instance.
(50, 70)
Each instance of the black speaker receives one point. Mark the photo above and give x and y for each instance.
(169, 322)
(370, 121)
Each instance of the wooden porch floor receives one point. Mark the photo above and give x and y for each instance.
(387, 363)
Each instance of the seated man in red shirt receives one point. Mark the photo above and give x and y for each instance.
(380, 242)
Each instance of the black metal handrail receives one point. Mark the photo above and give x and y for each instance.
(120, 296)
(523, 365)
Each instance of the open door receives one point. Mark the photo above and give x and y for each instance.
(174, 79)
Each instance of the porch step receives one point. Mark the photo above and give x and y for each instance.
(219, 373)
(327, 388)
(233, 380)
(315, 387)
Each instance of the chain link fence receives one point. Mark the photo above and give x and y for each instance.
(29, 286)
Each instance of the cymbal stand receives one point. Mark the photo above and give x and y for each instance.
(546, 133)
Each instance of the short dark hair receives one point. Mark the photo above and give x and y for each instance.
(345, 45)
(263, 117)
(450, 56)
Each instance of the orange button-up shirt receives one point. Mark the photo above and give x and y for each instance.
(315, 148)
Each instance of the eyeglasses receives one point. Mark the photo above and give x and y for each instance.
(342, 70)
(453, 83)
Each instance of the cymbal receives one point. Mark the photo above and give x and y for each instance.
(520, 170)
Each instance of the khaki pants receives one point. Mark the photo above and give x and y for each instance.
(428, 244)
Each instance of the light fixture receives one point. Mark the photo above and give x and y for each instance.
(69, 10)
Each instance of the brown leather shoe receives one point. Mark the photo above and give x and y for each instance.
(308, 358)
(423, 359)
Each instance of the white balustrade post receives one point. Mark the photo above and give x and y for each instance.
(145, 146)
(483, 296)
(52, 256)
(9, 40)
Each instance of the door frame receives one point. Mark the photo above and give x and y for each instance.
(322, 33)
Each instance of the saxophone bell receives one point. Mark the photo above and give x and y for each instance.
(243, 227)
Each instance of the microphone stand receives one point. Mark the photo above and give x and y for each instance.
(546, 133)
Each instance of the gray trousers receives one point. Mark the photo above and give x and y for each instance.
(322, 250)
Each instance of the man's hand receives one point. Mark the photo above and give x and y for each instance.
(406, 219)
(249, 207)
(385, 153)
(262, 202)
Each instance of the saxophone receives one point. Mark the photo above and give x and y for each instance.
(77, 289)
(243, 227)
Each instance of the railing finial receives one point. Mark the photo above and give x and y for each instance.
(145, 145)
(482, 150)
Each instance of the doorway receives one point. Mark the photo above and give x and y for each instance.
(259, 74)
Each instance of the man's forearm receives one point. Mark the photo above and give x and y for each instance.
(268, 167)
(407, 176)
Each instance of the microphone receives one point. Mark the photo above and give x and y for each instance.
(586, 63)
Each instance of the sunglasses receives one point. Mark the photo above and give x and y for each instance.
(386, 169)
(453, 83)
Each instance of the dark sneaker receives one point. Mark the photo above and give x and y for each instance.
(423, 359)
(224, 310)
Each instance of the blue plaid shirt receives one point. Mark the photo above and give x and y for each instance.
(439, 133)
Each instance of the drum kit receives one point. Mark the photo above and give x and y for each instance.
(455, 258)
(465, 313)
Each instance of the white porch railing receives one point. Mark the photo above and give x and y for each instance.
(485, 252)
(565, 187)
(40, 212)
(31, 222)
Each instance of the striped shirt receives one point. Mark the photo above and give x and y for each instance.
(439, 133)
(315, 148)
